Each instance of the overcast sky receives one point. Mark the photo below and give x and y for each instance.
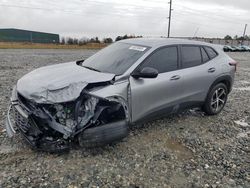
(103, 18)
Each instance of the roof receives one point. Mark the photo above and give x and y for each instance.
(158, 42)
(23, 30)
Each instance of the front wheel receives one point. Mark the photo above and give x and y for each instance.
(216, 99)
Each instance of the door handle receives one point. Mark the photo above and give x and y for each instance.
(176, 77)
(211, 70)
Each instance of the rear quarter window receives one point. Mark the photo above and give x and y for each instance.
(205, 57)
(211, 52)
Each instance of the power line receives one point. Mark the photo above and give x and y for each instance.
(63, 10)
(205, 25)
(193, 11)
(195, 33)
(74, 12)
(213, 16)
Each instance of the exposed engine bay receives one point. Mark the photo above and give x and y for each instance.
(55, 127)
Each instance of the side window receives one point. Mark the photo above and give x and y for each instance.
(205, 57)
(163, 60)
(210, 51)
(191, 56)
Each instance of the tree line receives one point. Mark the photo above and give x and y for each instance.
(84, 41)
(236, 37)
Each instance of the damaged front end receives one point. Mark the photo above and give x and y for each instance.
(88, 120)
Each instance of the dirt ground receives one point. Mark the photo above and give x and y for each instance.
(28, 45)
(186, 150)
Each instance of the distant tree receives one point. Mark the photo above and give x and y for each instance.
(70, 41)
(63, 40)
(118, 38)
(97, 40)
(94, 40)
(83, 41)
(75, 41)
(236, 37)
(244, 38)
(228, 37)
(125, 37)
(107, 40)
(241, 38)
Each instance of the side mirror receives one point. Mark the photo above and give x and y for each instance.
(79, 62)
(146, 72)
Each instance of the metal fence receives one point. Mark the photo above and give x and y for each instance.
(232, 42)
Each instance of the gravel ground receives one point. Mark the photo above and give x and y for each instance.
(186, 150)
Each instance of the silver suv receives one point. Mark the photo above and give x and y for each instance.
(92, 101)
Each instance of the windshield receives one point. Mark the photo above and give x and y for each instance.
(116, 58)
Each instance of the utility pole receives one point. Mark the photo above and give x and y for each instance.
(244, 34)
(245, 31)
(169, 18)
(196, 32)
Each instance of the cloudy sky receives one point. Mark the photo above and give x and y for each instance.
(103, 18)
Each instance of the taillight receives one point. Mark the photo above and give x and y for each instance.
(234, 64)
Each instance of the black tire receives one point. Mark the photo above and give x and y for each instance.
(214, 105)
(103, 135)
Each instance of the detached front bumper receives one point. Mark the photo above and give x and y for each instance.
(21, 115)
(9, 124)
(19, 119)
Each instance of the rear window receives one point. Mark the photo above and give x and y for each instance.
(191, 56)
(211, 52)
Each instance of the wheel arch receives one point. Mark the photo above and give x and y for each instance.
(225, 79)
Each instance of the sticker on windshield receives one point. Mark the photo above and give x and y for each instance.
(138, 48)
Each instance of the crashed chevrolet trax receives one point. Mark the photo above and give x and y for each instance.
(91, 102)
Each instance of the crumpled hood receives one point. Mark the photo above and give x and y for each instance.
(58, 83)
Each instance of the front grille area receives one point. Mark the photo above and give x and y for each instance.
(20, 121)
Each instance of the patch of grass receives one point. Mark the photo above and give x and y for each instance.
(21, 45)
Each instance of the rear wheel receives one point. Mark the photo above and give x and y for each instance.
(216, 99)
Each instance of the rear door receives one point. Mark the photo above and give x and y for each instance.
(161, 94)
(198, 70)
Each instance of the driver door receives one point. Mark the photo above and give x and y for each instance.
(163, 94)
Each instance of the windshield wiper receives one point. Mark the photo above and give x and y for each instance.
(91, 68)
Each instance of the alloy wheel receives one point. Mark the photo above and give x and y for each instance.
(218, 99)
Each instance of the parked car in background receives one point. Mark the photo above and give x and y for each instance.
(246, 48)
(236, 48)
(91, 102)
(228, 49)
(242, 49)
